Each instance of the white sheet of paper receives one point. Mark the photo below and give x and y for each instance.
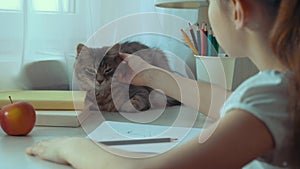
(110, 130)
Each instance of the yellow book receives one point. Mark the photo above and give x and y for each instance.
(46, 99)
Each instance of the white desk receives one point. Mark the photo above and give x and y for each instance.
(12, 149)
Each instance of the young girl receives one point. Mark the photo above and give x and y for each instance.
(261, 117)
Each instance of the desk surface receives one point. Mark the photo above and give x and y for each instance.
(12, 149)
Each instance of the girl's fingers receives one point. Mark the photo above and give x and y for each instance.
(48, 150)
(37, 149)
(29, 151)
(123, 56)
(121, 78)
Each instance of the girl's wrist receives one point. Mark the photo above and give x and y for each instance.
(67, 150)
(148, 77)
(153, 76)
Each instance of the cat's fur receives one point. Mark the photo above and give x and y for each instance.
(94, 69)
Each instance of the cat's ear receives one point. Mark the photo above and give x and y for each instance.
(114, 50)
(80, 47)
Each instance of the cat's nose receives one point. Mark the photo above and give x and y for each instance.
(97, 89)
(99, 79)
(97, 92)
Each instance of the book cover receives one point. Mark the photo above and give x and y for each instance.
(46, 99)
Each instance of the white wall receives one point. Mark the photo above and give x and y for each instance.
(27, 36)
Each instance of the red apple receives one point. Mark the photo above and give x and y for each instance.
(17, 119)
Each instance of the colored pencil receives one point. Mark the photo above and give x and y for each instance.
(205, 29)
(138, 141)
(193, 36)
(204, 39)
(189, 42)
(199, 38)
(210, 45)
(216, 44)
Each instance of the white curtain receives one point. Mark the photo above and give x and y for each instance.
(38, 38)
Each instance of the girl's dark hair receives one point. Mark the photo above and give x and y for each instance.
(284, 40)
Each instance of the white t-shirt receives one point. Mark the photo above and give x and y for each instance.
(266, 96)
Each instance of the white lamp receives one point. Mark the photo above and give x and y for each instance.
(201, 5)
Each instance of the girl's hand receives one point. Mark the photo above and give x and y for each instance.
(135, 70)
(70, 150)
(52, 150)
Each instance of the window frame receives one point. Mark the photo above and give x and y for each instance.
(63, 6)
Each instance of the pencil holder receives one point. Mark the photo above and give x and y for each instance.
(227, 72)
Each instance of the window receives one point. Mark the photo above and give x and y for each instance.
(56, 6)
(10, 5)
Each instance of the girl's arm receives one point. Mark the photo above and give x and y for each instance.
(81, 153)
(204, 97)
(239, 138)
(195, 94)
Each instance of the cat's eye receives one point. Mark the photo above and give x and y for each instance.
(90, 71)
(101, 64)
(109, 71)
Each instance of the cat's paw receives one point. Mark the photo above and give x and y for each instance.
(128, 107)
(110, 107)
(133, 105)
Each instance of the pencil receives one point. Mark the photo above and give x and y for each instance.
(138, 141)
(204, 39)
(210, 45)
(199, 38)
(189, 42)
(216, 44)
(205, 29)
(193, 37)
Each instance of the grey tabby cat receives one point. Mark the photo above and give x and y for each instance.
(94, 70)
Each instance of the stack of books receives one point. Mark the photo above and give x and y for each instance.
(53, 107)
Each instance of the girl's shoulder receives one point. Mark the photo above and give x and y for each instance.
(268, 77)
(266, 96)
(265, 89)
(267, 84)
